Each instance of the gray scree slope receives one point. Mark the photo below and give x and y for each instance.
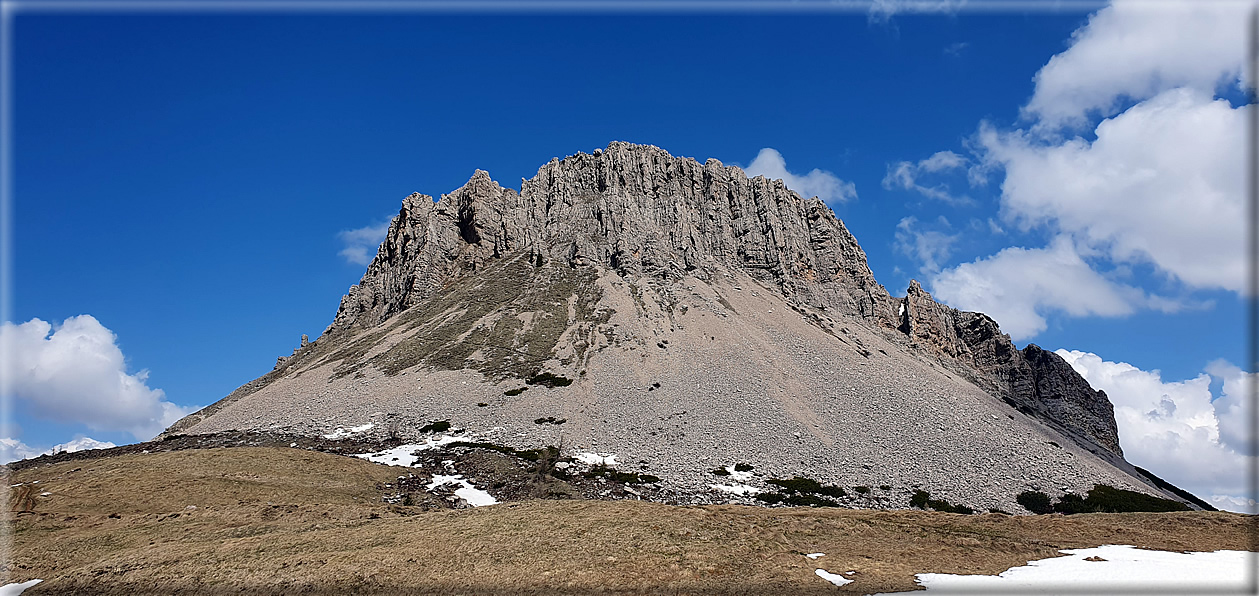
(706, 318)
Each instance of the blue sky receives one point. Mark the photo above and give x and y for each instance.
(188, 179)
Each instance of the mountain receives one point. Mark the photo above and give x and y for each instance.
(679, 318)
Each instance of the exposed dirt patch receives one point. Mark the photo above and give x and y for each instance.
(278, 520)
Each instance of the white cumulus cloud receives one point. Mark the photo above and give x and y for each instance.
(905, 175)
(1135, 49)
(1163, 183)
(1018, 287)
(817, 183)
(77, 373)
(1160, 183)
(1174, 428)
(13, 449)
(361, 244)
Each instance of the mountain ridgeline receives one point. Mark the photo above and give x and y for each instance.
(640, 211)
(682, 316)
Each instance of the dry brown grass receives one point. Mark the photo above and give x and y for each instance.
(270, 520)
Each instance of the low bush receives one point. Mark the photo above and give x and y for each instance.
(440, 426)
(619, 476)
(803, 485)
(550, 380)
(515, 392)
(742, 467)
(1100, 499)
(1035, 501)
(922, 499)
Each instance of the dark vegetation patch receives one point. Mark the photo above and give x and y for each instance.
(742, 467)
(525, 454)
(550, 420)
(439, 426)
(1100, 499)
(720, 472)
(862, 489)
(1035, 501)
(619, 476)
(550, 380)
(515, 392)
(802, 492)
(922, 499)
(1180, 492)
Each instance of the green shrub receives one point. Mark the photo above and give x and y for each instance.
(1035, 501)
(797, 500)
(803, 485)
(436, 427)
(549, 380)
(922, 499)
(619, 476)
(1109, 499)
(1101, 499)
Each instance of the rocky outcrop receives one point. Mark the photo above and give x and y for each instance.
(1035, 381)
(635, 209)
(642, 212)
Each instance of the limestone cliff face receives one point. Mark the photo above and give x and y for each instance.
(640, 211)
(1033, 380)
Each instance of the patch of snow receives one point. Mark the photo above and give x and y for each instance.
(901, 311)
(739, 476)
(737, 489)
(15, 589)
(834, 578)
(595, 459)
(1123, 568)
(474, 496)
(342, 433)
(404, 455)
(849, 572)
(814, 556)
(45, 494)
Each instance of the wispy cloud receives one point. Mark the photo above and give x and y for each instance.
(817, 183)
(882, 11)
(931, 248)
(955, 49)
(905, 175)
(361, 244)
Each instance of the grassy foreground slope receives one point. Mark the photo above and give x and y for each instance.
(258, 520)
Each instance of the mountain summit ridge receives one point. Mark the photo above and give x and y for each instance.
(681, 315)
(638, 210)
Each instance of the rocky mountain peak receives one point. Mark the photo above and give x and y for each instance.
(641, 212)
